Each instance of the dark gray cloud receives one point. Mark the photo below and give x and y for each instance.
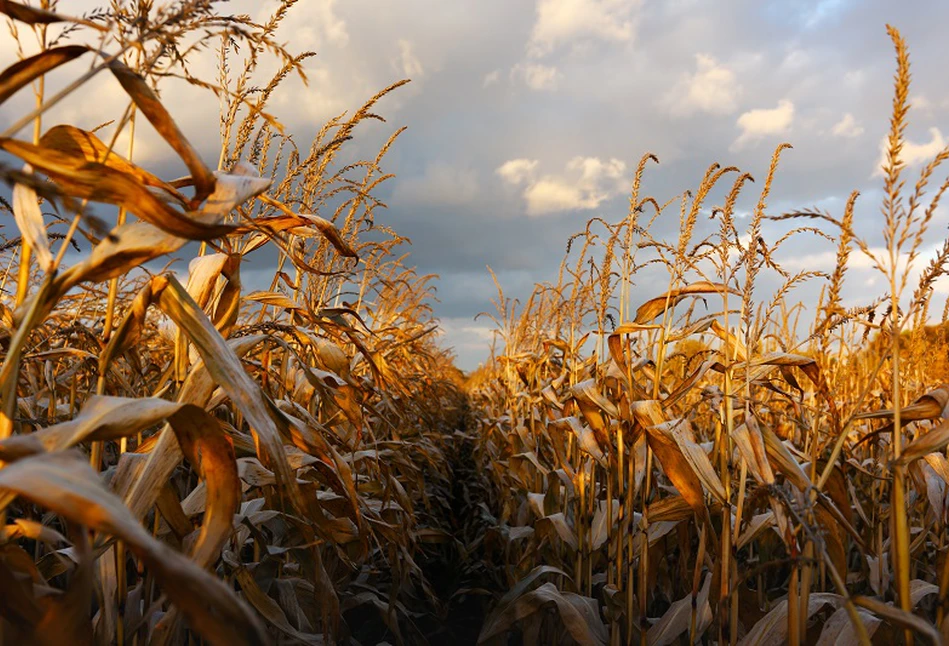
(693, 82)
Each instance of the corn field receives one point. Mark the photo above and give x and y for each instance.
(186, 460)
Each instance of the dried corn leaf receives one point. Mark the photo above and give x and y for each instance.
(270, 609)
(225, 368)
(839, 630)
(899, 617)
(929, 406)
(26, 528)
(939, 464)
(532, 577)
(657, 306)
(29, 219)
(579, 615)
(211, 453)
(756, 525)
(631, 328)
(231, 190)
(84, 145)
(586, 438)
(557, 525)
(65, 484)
(934, 440)
(600, 528)
(151, 107)
(102, 418)
(36, 16)
(329, 231)
(129, 330)
(687, 384)
(735, 349)
(681, 432)
(678, 618)
(747, 437)
(198, 433)
(782, 460)
(99, 183)
(674, 464)
(164, 453)
(301, 224)
(670, 508)
(773, 627)
(127, 246)
(273, 298)
(24, 72)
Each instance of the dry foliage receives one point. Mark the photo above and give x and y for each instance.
(698, 468)
(184, 460)
(189, 460)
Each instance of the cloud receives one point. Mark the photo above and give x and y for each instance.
(561, 22)
(440, 185)
(536, 76)
(470, 340)
(913, 154)
(325, 96)
(796, 60)
(586, 183)
(855, 79)
(334, 28)
(322, 26)
(607, 100)
(847, 127)
(713, 88)
(517, 171)
(408, 63)
(762, 122)
(921, 102)
(862, 269)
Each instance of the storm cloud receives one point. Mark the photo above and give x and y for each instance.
(525, 119)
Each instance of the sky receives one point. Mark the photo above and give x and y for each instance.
(528, 117)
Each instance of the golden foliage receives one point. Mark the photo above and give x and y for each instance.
(722, 478)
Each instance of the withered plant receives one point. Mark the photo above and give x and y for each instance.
(701, 467)
(191, 460)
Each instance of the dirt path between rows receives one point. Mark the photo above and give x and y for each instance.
(457, 569)
(458, 572)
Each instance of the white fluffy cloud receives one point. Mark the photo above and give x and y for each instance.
(586, 183)
(334, 27)
(491, 78)
(517, 171)
(921, 102)
(322, 26)
(470, 340)
(562, 22)
(862, 270)
(713, 88)
(914, 154)
(756, 124)
(536, 76)
(847, 127)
